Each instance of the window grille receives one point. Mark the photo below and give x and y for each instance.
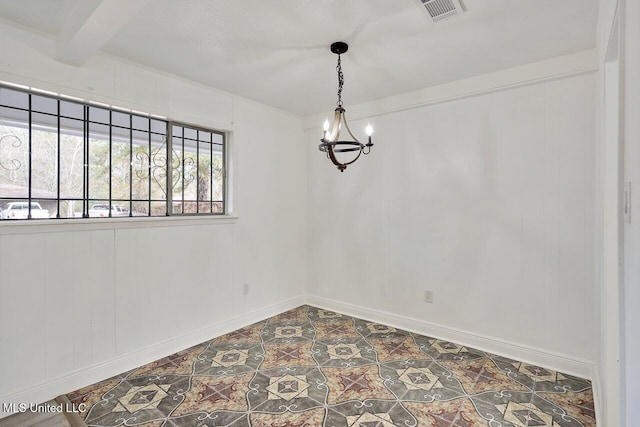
(66, 159)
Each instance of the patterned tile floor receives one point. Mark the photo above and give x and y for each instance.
(312, 367)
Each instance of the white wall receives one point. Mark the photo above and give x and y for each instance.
(84, 301)
(488, 200)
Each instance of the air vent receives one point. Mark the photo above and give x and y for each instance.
(442, 9)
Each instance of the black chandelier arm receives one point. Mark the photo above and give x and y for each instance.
(368, 146)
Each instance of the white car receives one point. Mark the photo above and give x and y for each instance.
(102, 210)
(20, 210)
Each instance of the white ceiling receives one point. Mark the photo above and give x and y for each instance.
(277, 51)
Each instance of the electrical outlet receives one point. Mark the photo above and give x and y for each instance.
(245, 289)
(428, 295)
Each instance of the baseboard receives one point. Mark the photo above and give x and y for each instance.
(49, 389)
(550, 360)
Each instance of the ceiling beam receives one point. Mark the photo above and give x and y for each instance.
(91, 24)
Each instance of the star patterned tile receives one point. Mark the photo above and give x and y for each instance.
(315, 367)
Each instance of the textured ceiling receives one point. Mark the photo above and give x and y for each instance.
(277, 51)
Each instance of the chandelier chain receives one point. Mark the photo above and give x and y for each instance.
(340, 81)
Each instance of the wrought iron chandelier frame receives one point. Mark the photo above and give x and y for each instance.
(330, 141)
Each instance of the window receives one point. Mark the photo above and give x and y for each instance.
(198, 178)
(78, 160)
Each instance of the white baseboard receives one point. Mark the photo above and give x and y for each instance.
(547, 359)
(54, 387)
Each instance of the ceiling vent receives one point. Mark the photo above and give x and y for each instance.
(442, 9)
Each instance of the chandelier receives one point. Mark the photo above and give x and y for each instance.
(331, 142)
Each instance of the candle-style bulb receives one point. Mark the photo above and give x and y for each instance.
(325, 125)
(369, 130)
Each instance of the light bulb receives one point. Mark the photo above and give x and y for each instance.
(369, 130)
(325, 126)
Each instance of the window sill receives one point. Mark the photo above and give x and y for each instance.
(88, 224)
